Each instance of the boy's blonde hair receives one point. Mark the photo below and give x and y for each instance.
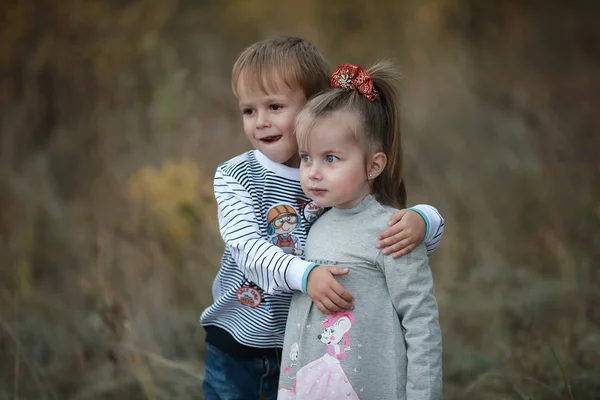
(378, 129)
(298, 63)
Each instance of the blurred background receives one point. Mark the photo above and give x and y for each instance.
(115, 114)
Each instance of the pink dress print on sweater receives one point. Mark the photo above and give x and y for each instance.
(325, 378)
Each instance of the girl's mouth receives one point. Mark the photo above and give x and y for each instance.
(271, 139)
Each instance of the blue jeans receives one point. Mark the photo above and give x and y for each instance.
(230, 378)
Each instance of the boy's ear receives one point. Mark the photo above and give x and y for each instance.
(376, 165)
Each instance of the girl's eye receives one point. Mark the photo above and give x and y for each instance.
(305, 158)
(247, 111)
(331, 159)
(276, 107)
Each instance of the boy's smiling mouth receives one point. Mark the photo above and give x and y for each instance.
(271, 139)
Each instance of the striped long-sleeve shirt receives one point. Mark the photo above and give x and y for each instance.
(264, 218)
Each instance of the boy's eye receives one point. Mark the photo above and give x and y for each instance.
(276, 107)
(305, 158)
(331, 159)
(247, 111)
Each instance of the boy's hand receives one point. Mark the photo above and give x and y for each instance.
(326, 292)
(406, 231)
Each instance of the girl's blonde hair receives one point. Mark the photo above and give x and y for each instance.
(378, 130)
(297, 62)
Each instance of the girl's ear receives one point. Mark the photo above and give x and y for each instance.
(376, 165)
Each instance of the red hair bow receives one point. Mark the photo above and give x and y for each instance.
(350, 76)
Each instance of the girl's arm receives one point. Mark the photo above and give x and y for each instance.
(410, 285)
(409, 227)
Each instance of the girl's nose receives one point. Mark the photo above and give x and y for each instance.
(314, 173)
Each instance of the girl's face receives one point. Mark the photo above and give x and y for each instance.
(333, 167)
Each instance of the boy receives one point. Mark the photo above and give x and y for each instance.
(264, 217)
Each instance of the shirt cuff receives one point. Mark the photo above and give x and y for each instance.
(305, 276)
(425, 218)
(297, 274)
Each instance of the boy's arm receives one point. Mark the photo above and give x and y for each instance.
(409, 227)
(434, 225)
(410, 285)
(260, 260)
(266, 264)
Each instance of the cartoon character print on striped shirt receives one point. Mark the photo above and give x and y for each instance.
(282, 220)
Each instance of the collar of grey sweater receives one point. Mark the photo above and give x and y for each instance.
(365, 204)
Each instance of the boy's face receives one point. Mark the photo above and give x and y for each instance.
(269, 120)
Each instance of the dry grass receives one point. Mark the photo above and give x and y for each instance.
(115, 115)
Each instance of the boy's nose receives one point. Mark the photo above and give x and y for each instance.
(262, 121)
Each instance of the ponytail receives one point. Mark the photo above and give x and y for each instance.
(388, 187)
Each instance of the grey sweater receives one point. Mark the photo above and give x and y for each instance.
(389, 346)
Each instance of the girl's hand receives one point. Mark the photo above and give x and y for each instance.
(406, 231)
(326, 292)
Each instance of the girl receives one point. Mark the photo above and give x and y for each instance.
(389, 345)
